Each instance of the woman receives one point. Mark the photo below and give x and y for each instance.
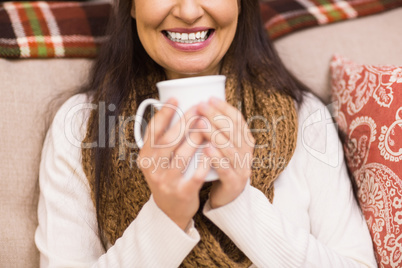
(283, 208)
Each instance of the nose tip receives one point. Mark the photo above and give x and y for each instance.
(188, 10)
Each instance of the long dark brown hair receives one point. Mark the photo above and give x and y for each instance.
(123, 59)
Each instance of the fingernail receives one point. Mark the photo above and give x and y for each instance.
(192, 109)
(201, 123)
(215, 100)
(171, 100)
(203, 106)
(210, 150)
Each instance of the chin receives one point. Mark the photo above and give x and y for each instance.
(191, 71)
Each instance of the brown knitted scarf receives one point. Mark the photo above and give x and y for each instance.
(126, 190)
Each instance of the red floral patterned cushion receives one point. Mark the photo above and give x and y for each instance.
(369, 112)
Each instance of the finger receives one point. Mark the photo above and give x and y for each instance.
(241, 167)
(225, 108)
(198, 179)
(242, 135)
(239, 123)
(221, 164)
(185, 152)
(160, 122)
(175, 135)
(227, 149)
(228, 120)
(218, 140)
(193, 141)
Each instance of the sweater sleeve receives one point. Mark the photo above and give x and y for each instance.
(67, 234)
(336, 234)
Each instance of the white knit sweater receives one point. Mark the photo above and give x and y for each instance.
(314, 220)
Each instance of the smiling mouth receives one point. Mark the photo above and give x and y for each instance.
(188, 38)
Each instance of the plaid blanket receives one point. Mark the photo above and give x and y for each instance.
(285, 16)
(52, 29)
(74, 29)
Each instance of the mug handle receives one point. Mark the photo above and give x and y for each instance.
(139, 118)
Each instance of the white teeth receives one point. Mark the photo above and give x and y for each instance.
(172, 35)
(187, 37)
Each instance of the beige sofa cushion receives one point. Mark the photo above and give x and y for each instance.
(375, 39)
(27, 87)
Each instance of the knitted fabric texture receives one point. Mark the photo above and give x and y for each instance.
(125, 193)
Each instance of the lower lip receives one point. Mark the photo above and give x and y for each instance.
(190, 47)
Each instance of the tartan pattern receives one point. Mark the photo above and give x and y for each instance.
(72, 29)
(281, 17)
(52, 29)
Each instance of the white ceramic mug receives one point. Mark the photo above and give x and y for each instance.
(188, 92)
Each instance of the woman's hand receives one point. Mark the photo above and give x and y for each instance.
(230, 151)
(160, 161)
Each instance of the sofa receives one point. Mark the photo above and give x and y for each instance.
(31, 89)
